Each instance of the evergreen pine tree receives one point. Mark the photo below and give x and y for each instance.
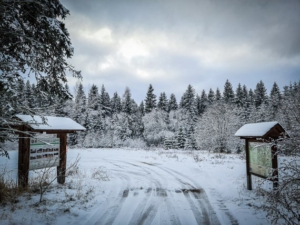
(167, 143)
(189, 107)
(286, 92)
(150, 101)
(115, 103)
(245, 96)
(275, 98)
(239, 96)
(260, 94)
(173, 103)
(126, 102)
(188, 100)
(33, 91)
(251, 97)
(93, 98)
(211, 96)
(163, 102)
(142, 108)
(80, 100)
(198, 105)
(296, 87)
(104, 102)
(182, 100)
(180, 138)
(28, 95)
(201, 103)
(228, 94)
(79, 114)
(218, 95)
(190, 142)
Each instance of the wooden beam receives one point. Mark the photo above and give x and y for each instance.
(61, 169)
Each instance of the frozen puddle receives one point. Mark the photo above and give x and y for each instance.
(145, 193)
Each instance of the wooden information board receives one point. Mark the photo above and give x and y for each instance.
(44, 153)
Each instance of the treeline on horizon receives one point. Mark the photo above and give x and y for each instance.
(206, 121)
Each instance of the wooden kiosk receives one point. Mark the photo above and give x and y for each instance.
(32, 154)
(261, 150)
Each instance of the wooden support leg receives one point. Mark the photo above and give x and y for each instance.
(61, 169)
(23, 158)
(249, 180)
(275, 167)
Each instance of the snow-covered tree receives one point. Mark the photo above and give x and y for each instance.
(190, 140)
(211, 96)
(201, 103)
(80, 99)
(93, 98)
(245, 100)
(142, 108)
(126, 102)
(180, 138)
(239, 100)
(104, 102)
(218, 95)
(115, 103)
(260, 94)
(163, 102)
(188, 100)
(29, 95)
(150, 101)
(228, 94)
(63, 107)
(189, 106)
(173, 103)
(275, 97)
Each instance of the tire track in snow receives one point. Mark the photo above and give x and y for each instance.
(140, 216)
(155, 198)
(146, 216)
(205, 209)
(109, 215)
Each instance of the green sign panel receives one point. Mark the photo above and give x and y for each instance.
(44, 153)
(260, 159)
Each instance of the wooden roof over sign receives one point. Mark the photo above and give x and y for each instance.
(260, 130)
(52, 125)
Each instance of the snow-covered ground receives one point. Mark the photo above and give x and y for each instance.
(123, 186)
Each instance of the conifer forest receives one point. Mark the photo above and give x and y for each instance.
(204, 120)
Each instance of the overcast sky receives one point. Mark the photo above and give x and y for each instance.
(173, 43)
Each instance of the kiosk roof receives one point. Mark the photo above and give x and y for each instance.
(53, 123)
(260, 130)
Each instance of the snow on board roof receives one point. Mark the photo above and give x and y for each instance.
(255, 129)
(53, 123)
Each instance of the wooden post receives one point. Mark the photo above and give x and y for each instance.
(23, 158)
(249, 180)
(274, 166)
(61, 169)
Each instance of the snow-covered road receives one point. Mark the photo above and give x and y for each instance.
(151, 193)
(125, 186)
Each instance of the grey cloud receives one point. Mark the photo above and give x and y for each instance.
(267, 29)
(267, 24)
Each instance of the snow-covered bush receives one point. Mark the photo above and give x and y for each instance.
(216, 128)
(156, 127)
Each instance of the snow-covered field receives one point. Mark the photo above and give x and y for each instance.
(123, 186)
